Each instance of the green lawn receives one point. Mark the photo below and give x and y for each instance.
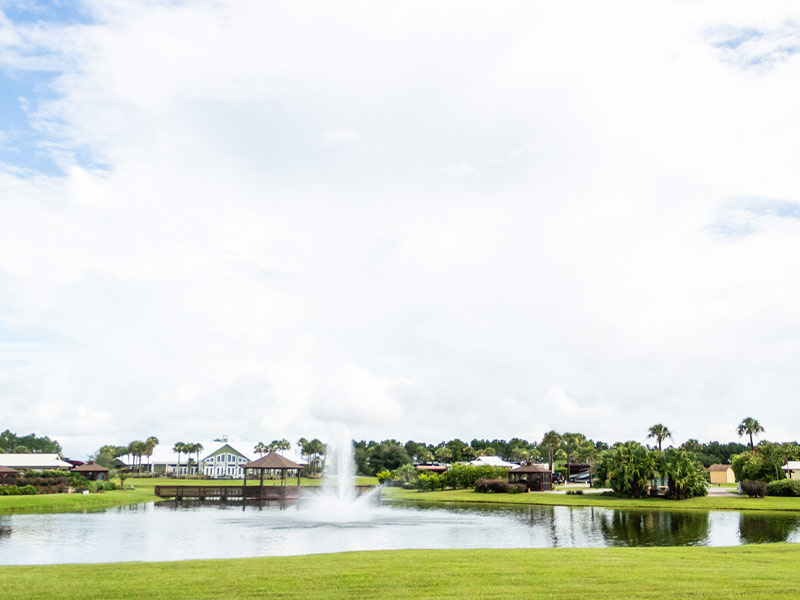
(142, 492)
(707, 503)
(742, 572)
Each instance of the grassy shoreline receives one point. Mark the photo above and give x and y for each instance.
(743, 503)
(143, 491)
(760, 571)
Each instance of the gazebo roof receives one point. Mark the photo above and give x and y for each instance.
(530, 469)
(273, 460)
(90, 467)
(7, 469)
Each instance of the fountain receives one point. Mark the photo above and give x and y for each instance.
(338, 501)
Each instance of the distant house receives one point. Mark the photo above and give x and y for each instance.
(492, 461)
(792, 469)
(721, 474)
(33, 462)
(431, 468)
(218, 460)
(537, 478)
(92, 471)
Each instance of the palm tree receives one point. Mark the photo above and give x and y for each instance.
(660, 432)
(137, 448)
(588, 453)
(281, 445)
(551, 441)
(179, 447)
(570, 442)
(751, 427)
(260, 449)
(150, 445)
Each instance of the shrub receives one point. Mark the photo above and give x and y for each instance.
(757, 489)
(574, 492)
(27, 490)
(784, 487)
(498, 486)
(384, 476)
(429, 482)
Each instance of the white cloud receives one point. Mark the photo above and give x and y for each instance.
(249, 233)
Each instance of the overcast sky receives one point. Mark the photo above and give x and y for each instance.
(424, 219)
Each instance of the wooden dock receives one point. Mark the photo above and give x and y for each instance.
(238, 492)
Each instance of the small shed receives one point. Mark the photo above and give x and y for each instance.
(92, 471)
(721, 474)
(792, 469)
(537, 478)
(8, 476)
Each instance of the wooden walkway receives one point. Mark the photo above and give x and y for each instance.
(238, 492)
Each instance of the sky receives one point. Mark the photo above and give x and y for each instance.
(424, 220)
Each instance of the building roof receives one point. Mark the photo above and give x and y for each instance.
(531, 469)
(273, 460)
(719, 467)
(434, 468)
(492, 461)
(792, 465)
(33, 461)
(90, 467)
(163, 454)
(7, 469)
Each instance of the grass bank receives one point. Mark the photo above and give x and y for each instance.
(760, 571)
(706, 503)
(143, 491)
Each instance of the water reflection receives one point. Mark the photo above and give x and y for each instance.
(761, 528)
(651, 528)
(207, 529)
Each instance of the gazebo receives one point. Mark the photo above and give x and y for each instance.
(535, 477)
(8, 476)
(272, 462)
(92, 471)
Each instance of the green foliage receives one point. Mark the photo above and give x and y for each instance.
(429, 482)
(686, 477)
(13, 490)
(754, 489)
(9, 442)
(384, 476)
(784, 487)
(628, 468)
(464, 476)
(498, 486)
(574, 492)
(765, 461)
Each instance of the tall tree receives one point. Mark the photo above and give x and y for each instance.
(751, 427)
(150, 445)
(260, 449)
(570, 443)
(179, 447)
(551, 441)
(660, 432)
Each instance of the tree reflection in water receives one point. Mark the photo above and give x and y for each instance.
(655, 528)
(755, 528)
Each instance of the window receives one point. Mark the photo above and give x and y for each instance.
(231, 458)
(210, 459)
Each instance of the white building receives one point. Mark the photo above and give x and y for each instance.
(492, 461)
(217, 459)
(38, 462)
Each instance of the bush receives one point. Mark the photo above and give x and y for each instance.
(784, 487)
(27, 490)
(574, 492)
(498, 486)
(429, 482)
(757, 489)
(384, 476)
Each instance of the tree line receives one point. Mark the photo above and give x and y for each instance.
(11, 443)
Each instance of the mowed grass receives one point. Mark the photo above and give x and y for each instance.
(740, 572)
(732, 502)
(143, 491)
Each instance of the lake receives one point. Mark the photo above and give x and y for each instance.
(170, 531)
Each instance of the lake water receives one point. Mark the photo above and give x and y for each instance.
(167, 531)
